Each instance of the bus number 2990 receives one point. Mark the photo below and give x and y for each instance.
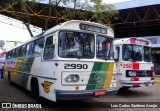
(75, 66)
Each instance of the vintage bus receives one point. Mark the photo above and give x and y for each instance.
(134, 63)
(73, 60)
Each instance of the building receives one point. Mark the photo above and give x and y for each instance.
(9, 45)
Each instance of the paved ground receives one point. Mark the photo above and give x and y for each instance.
(143, 94)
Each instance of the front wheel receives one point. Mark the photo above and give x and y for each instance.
(9, 80)
(35, 92)
(124, 88)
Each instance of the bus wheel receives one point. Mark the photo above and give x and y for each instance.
(9, 79)
(35, 90)
(124, 88)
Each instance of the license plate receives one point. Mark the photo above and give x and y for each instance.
(100, 92)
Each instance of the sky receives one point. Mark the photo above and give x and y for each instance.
(12, 33)
(114, 1)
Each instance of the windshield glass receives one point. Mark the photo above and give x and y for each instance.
(132, 52)
(76, 44)
(103, 47)
(147, 54)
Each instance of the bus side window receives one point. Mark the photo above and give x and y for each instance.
(7, 55)
(38, 47)
(12, 54)
(16, 52)
(29, 49)
(49, 48)
(22, 51)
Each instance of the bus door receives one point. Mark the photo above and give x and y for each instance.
(48, 70)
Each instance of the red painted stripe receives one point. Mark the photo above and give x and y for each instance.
(136, 85)
(152, 68)
(135, 66)
(152, 78)
(135, 79)
(132, 40)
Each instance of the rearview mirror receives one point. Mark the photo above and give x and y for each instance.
(116, 54)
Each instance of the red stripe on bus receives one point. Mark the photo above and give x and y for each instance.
(152, 68)
(152, 78)
(135, 79)
(135, 66)
(136, 85)
(132, 40)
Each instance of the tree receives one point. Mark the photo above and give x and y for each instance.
(101, 12)
(63, 10)
(12, 4)
(91, 10)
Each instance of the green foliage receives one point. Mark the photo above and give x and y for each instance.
(93, 10)
(33, 3)
(103, 13)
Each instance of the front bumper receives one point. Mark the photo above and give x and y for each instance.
(79, 95)
(129, 83)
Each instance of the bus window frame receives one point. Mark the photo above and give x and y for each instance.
(111, 51)
(28, 45)
(22, 54)
(44, 58)
(40, 55)
(80, 31)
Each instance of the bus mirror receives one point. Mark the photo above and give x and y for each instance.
(116, 54)
(55, 41)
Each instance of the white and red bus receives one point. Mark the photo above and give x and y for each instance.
(134, 63)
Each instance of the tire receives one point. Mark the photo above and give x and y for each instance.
(9, 79)
(124, 88)
(35, 90)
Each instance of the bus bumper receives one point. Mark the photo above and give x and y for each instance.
(85, 94)
(137, 83)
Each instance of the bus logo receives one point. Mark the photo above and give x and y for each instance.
(46, 86)
(98, 77)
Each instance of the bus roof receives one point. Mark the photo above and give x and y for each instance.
(74, 24)
(132, 40)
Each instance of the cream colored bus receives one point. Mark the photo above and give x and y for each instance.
(134, 64)
(73, 60)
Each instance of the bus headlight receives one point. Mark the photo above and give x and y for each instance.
(72, 78)
(132, 73)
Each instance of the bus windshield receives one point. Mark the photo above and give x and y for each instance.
(147, 54)
(76, 44)
(132, 52)
(103, 47)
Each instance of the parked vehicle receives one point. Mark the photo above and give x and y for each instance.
(73, 60)
(134, 64)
